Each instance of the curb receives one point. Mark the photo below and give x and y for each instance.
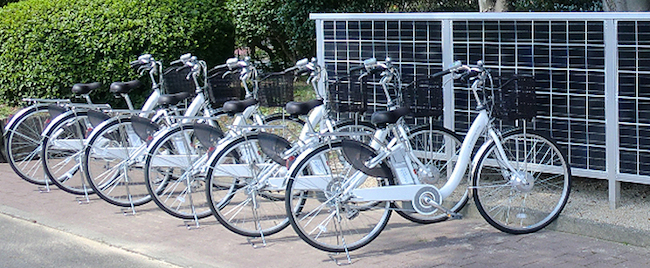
(583, 227)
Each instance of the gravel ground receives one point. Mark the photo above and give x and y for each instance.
(589, 200)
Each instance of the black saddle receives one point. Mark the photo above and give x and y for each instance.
(388, 117)
(302, 108)
(124, 87)
(81, 89)
(238, 106)
(173, 99)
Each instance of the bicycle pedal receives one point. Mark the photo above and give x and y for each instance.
(455, 216)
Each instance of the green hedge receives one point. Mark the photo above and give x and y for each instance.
(48, 45)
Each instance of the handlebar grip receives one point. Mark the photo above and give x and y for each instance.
(469, 74)
(441, 73)
(356, 68)
(303, 71)
(183, 68)
(219, 67)
(376, 70)
(290, 69)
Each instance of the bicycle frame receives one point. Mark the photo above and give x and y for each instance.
(408, 187)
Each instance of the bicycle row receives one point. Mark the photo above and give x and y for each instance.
(336, 182)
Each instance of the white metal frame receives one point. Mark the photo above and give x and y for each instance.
(612, 148)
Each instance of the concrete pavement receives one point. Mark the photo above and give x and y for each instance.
(153, 235)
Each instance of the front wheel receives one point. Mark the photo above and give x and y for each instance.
(526, 191)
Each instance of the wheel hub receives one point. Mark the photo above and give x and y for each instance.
(523, 181)
(428, 174)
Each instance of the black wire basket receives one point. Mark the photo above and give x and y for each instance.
(515, 98)
(175, 81)
(222, 88)
(348, 94)
(424, 97)
(275, 89)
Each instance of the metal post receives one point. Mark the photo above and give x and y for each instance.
(447, 34)
(611, 112)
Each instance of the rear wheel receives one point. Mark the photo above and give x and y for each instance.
(238, 194)
(111, 165)
(437, 149)
(174, 172)
(322, 212)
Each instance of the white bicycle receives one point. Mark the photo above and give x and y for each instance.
(520, 179)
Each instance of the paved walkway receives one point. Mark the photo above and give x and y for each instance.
(153, 234)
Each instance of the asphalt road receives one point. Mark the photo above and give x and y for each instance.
(29, 244)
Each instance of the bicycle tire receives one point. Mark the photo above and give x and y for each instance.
(23, 143)
(109, 164)
(341, 225)
(63, 142)
(534, 196)
(172, 178)
(235, 197)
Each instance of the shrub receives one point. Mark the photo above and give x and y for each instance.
(48, 45)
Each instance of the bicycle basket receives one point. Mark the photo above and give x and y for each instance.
(275, 90)
(424, 97)
(515, 99)
(348, 94)
(175, 81)
(223, 88)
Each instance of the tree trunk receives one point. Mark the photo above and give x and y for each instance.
(626, 5)
(495, 5)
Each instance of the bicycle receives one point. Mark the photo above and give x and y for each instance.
(114, 155)
(246, 174)
(173, 171)
(23, 135)
(520, 179)
(66, 136)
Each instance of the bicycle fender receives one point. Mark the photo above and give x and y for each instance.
(208, 135)
(358, 153)
(144, 128)
(274, 146)
(20, 113)
(64, 116)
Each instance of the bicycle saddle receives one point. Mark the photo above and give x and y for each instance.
(388, 117)
(238, 106)
(302, 108)
(172, 99)
(124, 87)
(80, 89)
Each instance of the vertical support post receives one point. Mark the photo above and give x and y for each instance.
(447, 35)
(320, 56)
(611, 111)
